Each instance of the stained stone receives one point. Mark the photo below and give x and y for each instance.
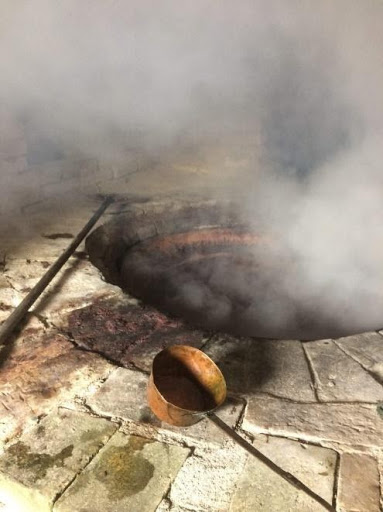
(253, 366)
(123, 395)
(349, 424)
(39, 466)
(128, 333)
(358, 484)
(40, 372)
(129, 473)
(367, 348)
(340, 378)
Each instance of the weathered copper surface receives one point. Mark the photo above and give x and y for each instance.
(204, 237)
(184, 384)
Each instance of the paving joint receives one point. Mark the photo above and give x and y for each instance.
(67, 334)
(367, 370)
(43, 319)
(242, 414)
(381, 484)
(336, 481)
(62, 491)
(313, 373)
(205, 345)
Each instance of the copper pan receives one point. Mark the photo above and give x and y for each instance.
(184, 385)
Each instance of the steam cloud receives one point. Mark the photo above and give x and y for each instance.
(304, 78)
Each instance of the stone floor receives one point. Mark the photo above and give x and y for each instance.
(77, 434)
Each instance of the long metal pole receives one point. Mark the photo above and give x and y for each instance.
(269, 463)
(19, 313)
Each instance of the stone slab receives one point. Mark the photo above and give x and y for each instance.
(340, 378)
(358, 489)
(128, 333)
(68, 291)
(207, 480)
(313, 465)
(261, 489)
(129, 473)
(44, 460)
(9, 297)
(39, 371)
(253, 366)
(367, 348)
(348, 424)
(123, 396)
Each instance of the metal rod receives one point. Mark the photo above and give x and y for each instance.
(269, 463)
(19, 313)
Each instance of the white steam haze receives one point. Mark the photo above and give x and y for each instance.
(303, 77)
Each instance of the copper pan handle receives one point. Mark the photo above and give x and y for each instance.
(269, 463)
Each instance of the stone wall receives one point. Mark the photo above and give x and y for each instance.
(25, 183)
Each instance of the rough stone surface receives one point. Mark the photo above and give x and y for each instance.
(358, 489)
(69, 291)
(349, 424)
(367, 348)
(255, 366)
(130, 403)
(313, 465)
(127, 332)
(38, 372)
(261, 489)
(340, 378)
(46, 459)
(207, 480)
(9, 297)
(129, 473)
(380, 463)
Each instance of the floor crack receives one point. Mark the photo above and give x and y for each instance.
(336, 481)
(313, 375)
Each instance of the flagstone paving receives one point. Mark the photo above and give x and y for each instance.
(77, 434)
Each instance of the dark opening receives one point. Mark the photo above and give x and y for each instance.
(211, 270)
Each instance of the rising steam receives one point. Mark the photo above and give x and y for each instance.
(299, 81)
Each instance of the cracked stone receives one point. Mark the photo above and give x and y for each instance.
(259, 488)
(43, 461)
(358, 489)
(129, 473)
(367, 348)
(131, 405)
(340, 378)
(207, 480)
(40, 371)
(253, 366)
(349, 424)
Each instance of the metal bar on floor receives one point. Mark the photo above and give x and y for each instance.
(10, 324)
